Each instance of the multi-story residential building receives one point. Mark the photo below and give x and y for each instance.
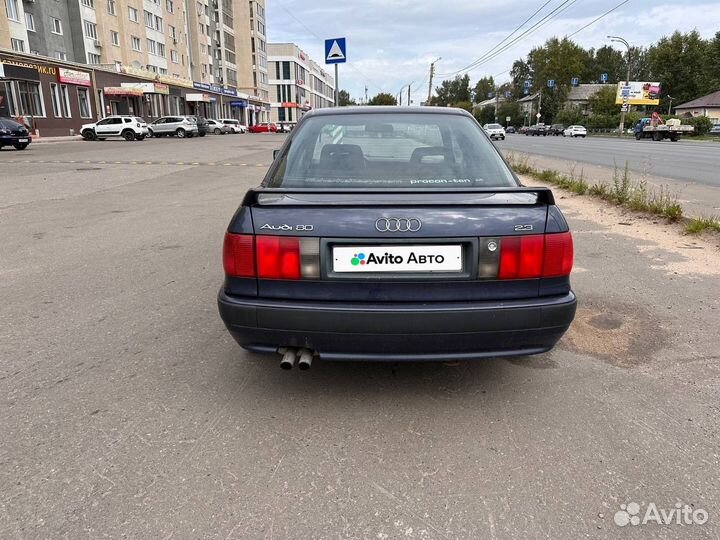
(198, 44)
(298, 83)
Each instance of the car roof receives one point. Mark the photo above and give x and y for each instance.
(386, 109)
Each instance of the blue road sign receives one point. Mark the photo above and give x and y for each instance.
(526, 91)
(527, 84)
(604, 78)
(575, 81)
(551, 83)
(490, 94)
(335, 52)
(508, 93)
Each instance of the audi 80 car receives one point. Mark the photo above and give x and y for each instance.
(388, 234)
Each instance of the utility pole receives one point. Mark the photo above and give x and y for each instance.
(670, 106)
(497, 98)
(432, 73)
(410, 102)
(366, 98)
(627, 80)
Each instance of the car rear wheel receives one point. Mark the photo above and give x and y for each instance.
(88, 135)
(638, 136)
(180, 132)
(201, 134)
(21, 146)
(657, 137)
(217, 131)
(128, 135)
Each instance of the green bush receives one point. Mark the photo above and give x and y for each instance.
(702, 125)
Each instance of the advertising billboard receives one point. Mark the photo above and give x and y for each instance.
(638, 93)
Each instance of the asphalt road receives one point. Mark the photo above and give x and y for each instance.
(127, 411)
(684, 160)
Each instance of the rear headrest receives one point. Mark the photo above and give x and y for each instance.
(342, 155)
(424, 151)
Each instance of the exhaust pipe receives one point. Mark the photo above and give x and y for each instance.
(305, 361)
(288, 359)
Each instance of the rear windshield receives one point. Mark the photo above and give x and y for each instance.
(403, 150)
(494, 126)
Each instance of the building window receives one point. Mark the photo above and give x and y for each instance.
(93, 58)
(135, 42)
(55, 97)
(11, 6)
(174, 56)
(114, 38)
(133, 14)
(17, 45)
(31, 99)
(29, 21)
(171, 31)
(111, 5)
(56, 26)
(158, 23)
(162, 71)
(169, 6)
(88, 3)
(84, 102)
(90, 29)
(161, 49)
(60, 55)
(151, 46)
(148, 19)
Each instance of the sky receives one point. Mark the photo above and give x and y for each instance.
(390, 43)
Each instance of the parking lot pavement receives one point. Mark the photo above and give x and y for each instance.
(127, 411)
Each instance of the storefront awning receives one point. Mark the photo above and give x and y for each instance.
(120, 91)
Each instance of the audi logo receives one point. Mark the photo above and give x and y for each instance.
(398, 224)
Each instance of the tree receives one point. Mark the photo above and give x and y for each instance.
(511, 109)
(452, 91)
(520, 73)
(383, 98)
(485, 115)
(344, 99)
(603, 102)
(605, 60)
(483, 88)
(558, 60)
(678, 62)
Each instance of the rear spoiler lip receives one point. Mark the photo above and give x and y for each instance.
(544, 194)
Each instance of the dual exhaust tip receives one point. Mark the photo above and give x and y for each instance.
(291, 356)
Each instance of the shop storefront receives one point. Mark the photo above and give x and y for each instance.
(51, 100)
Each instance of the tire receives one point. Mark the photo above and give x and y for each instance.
(583, 136)
(674, 139)
(190, 135)
(217, 131)
(180, 132)
(89, 135)
(21, 146)
(657, 137)
(128, 135)
(151, 134)
(638, 136)
(201, 134)
(140, 137)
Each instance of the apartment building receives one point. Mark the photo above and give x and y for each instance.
(195, 44)
(298, 83)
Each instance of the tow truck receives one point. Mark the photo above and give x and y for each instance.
(672, 130)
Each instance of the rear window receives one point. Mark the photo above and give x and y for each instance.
(402, 150)
(494, 126)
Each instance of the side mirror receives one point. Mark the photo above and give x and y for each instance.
(276, 153)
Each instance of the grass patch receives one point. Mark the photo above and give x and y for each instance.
(702, 224)
(623, 191)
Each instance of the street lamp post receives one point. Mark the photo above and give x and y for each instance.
(670, 106)
(627, 79)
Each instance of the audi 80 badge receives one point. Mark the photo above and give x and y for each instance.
(375, 244)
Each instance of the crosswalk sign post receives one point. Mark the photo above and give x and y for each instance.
(335, 53)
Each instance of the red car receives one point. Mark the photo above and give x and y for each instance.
(263, 128)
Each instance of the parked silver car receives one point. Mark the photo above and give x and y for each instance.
(234, 125)
(179, 126)
(218, 128)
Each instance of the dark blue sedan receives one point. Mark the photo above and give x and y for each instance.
(392, 234)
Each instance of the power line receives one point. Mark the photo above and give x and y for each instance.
(306, 27)
(608, 12)
(511, 34)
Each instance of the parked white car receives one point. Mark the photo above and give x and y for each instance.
(575, 131)
(495, 131)
(217, 128)
(130, 128)
(234, 125)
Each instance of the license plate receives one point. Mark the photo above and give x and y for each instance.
(22, 140)
(429, 258)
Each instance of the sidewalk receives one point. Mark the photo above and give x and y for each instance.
(68, 138)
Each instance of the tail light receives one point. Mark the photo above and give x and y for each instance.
(526, 257)
(271, 257)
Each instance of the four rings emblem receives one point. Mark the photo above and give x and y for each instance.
(398, 224)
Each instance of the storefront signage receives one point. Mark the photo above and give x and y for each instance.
(2, 71)
(300, 82)
(230, 92)
(204, 98)
(148, 88)
(44, 70)
(209, 87)
(71, 76)
(289, 104)
(241, 104)
(122, 91)
(176, 81)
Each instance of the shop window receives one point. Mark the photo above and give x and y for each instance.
(31, 103)
(84, 102)
(55, 98)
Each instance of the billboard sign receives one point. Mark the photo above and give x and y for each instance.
(638, 93)
(72, 76)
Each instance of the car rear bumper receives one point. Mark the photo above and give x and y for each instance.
(398, 332)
